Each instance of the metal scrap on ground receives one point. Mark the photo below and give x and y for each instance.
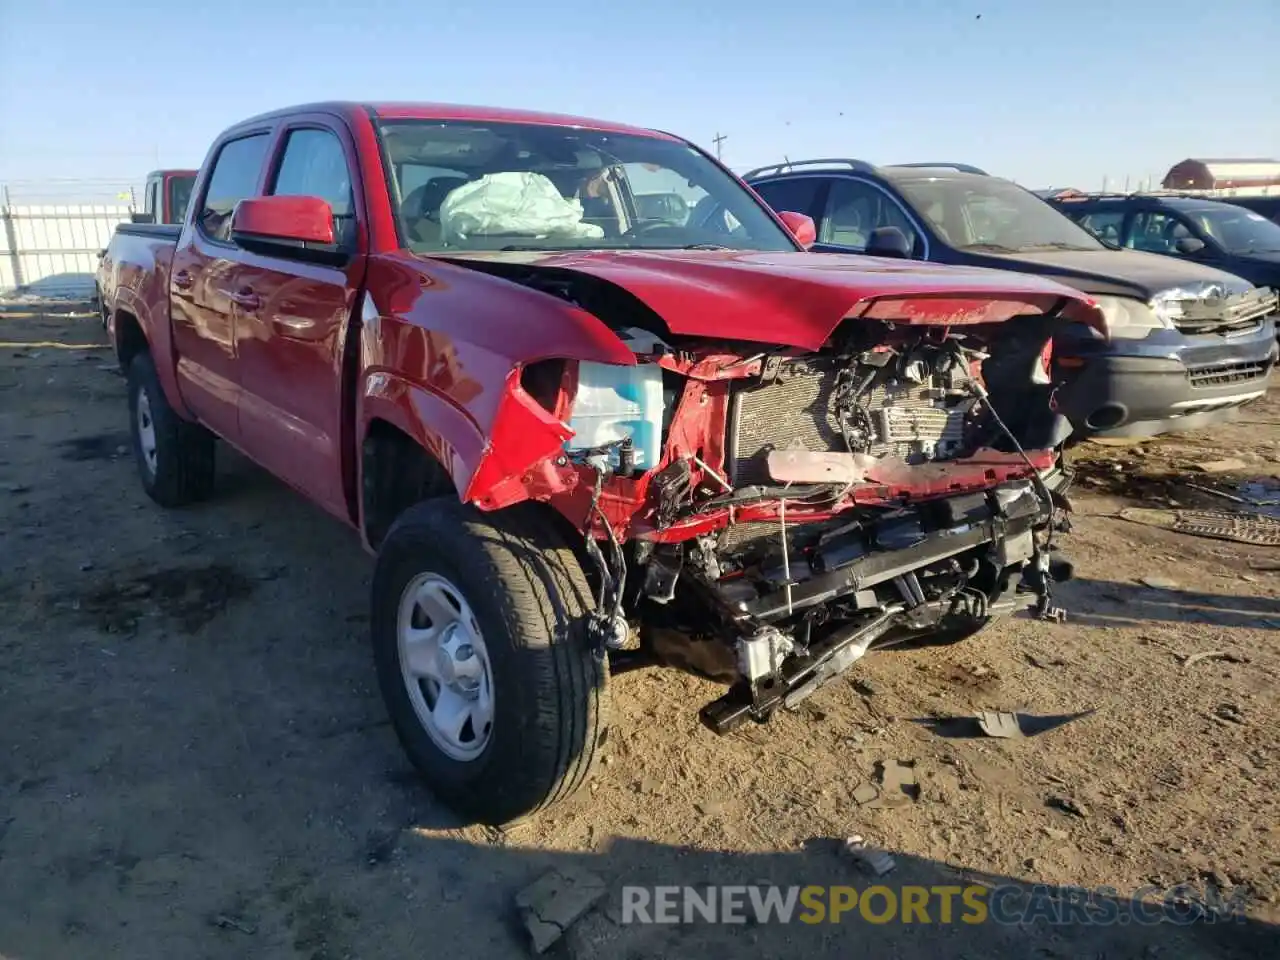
(1214, 524)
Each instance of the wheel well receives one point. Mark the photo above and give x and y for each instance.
(130, 340)
(397, 473)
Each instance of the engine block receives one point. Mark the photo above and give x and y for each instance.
(916, 412)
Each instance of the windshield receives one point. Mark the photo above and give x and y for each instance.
(1238, 230)
(994, 215)
(464, 185)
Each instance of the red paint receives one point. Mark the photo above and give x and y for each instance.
(260, 347)
(305, 219)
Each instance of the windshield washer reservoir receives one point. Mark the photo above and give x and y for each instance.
(615, 402)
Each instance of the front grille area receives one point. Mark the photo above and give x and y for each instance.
(1224, 375)
(1241, 313)
(797, 411)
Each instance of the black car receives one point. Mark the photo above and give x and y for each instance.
(1217, 234)
(1189, 344)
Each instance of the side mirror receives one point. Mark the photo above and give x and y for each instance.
(801, 227)
(296, 227)
(1188, 245)
(888, 242)
(142, 218)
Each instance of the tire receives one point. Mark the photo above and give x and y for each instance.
(521, 591)
(175, 458)
(101, 304)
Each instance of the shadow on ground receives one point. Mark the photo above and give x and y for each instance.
(1110, 603)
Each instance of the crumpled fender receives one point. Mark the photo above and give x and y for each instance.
(442, 349)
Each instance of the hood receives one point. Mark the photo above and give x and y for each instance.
(797, 299)
(1116, 272)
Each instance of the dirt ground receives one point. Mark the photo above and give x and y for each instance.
(194, 761)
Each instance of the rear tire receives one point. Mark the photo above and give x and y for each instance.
(488, 616)
(175, 457)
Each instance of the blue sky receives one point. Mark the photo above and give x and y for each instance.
(1046, 92)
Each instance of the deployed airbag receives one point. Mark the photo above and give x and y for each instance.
(512, 204)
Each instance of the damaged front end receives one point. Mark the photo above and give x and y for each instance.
(783, 511)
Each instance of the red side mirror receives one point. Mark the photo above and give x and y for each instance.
(801, 228)
(294, 219)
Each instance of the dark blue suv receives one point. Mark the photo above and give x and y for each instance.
(1189, 344)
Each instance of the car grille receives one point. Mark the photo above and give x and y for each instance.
(1222, 375)
(797, 411)
(1239, 314)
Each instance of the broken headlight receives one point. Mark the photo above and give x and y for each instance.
(1129, 319)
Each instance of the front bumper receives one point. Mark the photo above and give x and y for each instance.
(1167, 382)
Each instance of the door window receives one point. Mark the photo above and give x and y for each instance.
(796, 196)
(1157, 232)
(234, 177)
(854, 209)
(315, 165)
(1106, 225)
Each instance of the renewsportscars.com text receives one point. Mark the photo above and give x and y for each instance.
(972, 904)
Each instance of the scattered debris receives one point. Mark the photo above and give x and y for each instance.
(1001, 725)
(1043, 663)
(864, 793)
(1239, 528)
(898, 784)
(1053, 833)
(551, 904)
(1229, 713)
(232, 923)
(710, 806)
(869, 858)
(1159, 583)
(1067, 805)
(1189, 658)
(1225, 465)
(864, 687)
(1265, 566)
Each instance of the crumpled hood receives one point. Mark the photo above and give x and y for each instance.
(1134, 273)
(795, 299)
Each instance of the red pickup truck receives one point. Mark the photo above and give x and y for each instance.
(573, 426)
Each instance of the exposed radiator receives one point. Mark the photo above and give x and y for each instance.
(797, 411)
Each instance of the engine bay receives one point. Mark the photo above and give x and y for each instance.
(782, 510)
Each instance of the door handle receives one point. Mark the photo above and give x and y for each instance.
(183, 280)
(246, 299)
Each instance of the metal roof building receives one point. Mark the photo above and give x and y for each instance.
(1195, 174)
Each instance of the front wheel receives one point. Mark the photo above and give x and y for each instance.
(483, 658)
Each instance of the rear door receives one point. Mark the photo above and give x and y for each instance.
(292, 318)
(202, 286)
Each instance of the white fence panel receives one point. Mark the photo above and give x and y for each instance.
(51, 250)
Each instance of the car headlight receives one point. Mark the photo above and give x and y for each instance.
(1132, 319)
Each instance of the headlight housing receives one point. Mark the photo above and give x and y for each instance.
(1129, 319)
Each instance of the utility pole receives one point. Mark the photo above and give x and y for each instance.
(719, 139)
